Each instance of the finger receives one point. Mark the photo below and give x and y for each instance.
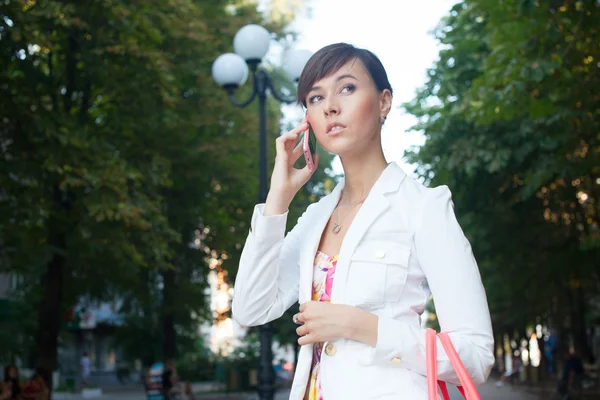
(303, 306)
(305, 173)
(298, 319)
(283, 141)
(302, 126)
(297, 153)
(302, 330)
(302, 318)
(307, 339)
(297, 130)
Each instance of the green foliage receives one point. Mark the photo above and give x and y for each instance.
(124, 168)
(432, 321)
(198, 364)
(511, 119)
(17, 318)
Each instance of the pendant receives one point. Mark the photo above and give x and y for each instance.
(336, 228)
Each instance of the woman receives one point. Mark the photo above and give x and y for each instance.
(12, 386)
(362, 261)
(5, 391)
(36, 388)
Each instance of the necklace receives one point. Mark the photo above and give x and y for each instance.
(337, 224)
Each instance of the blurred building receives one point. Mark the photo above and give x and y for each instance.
(91, 328)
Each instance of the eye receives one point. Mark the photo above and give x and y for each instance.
(314, 98)
(349, 88)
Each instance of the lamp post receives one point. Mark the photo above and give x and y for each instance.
(230, 71)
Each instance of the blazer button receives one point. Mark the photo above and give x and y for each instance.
(395, 360)
(330, 349)
(380, 254)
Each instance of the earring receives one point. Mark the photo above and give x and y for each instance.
(381, 120)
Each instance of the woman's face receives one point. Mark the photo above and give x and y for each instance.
(344, 109)
(13, 373)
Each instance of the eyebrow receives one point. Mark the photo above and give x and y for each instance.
(339, 78)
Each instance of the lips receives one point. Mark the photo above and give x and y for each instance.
(335, 127)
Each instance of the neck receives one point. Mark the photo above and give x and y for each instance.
(361, 173)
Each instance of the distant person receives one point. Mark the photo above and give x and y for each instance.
(5, 391)
(85, 369)
(364, 260)
(11, 382)
(168, 378)
(550, 343)
(570, 385)
(173, 387)
(153, 382)
(36, 388)
(511, 376)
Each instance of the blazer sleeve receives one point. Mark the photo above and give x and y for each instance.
(266, 284)
(447, 260)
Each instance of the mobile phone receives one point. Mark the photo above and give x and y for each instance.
(310, 148)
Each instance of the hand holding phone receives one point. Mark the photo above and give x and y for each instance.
(286, 180)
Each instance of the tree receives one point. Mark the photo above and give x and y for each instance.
(506, 130)
(118, 150)
(76, 166)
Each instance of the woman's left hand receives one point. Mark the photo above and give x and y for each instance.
(322, 322)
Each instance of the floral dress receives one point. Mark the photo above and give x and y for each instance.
(323, 274)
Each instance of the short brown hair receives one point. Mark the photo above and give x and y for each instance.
(330, 58)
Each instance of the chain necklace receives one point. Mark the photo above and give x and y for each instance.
(337, 224)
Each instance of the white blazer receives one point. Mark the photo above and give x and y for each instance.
(404, 244)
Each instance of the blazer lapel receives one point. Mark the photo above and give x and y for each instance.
(313, 237)
(375, 204)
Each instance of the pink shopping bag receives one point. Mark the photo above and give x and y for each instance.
(467, 387)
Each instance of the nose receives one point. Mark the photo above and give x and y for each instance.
(331, 108)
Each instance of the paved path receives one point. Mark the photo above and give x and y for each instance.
(488, 392)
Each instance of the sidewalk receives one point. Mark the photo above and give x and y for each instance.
(546, 391)
(140, 395)
(488, 391)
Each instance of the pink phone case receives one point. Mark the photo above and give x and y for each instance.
(307, 154)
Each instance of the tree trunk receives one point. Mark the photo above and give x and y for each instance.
(502, 363)
(49, 317)
(543, 368)
(564, 329)
(49, 311)
(582, 346)
(168, 316)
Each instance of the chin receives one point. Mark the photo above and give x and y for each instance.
(333, 148)
(341, 150)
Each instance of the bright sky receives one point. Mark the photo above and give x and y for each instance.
(398, 32)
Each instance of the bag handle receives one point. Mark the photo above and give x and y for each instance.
(467, 388)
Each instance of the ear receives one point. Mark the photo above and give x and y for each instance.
(385, 103)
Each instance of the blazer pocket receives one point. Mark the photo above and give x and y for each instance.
(378, 271)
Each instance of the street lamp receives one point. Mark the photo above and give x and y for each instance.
(230, 71)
